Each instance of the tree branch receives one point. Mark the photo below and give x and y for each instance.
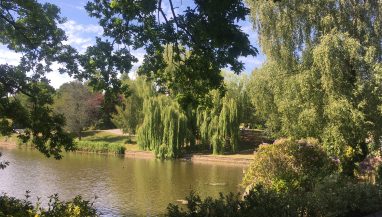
(177, 23)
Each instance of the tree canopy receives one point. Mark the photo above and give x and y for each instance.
(31, 28)
(129, 115)
(79, 106)
(205, 32)
(322, 77)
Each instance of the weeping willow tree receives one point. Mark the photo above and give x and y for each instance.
(129, 115)
(323, 73)
(218, 124)
(164, 129)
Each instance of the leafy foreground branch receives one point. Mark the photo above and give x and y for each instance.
(10, 206)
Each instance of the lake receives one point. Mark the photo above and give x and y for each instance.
(123, 186)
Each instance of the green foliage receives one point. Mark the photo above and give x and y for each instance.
(75, 101)
(238, 87)
(31, 28)
(100, 147)
(10, 206)
(164, 128)
(101, 67)
(218, 123)
(259, 202)
(340, 196)
(208, 30)
(44, 129)
(130, 114)
(322, 75)
(289, 165)
(331, 197)
(219, 118)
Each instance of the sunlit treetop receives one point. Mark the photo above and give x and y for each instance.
(287, 29)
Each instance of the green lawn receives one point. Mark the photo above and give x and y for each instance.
(99, 139)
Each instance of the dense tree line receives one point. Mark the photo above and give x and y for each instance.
(205, 41)
(321, 79)
(160, 120)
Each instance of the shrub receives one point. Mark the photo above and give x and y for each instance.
(259, 202)
(337, 196)
(289, 165)
(10, 206)
(334, 196)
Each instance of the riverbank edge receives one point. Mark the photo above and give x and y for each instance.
(195, 158)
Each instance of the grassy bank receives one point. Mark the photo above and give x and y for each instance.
(111, 142)
(100, 147)
(105, 142)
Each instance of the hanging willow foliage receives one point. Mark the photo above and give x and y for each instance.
(219, 125)
(164, 129)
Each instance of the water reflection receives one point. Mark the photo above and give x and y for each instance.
(124, 186)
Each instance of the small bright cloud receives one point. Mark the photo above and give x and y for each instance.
(57, 79)
(9, 57)
(81, 36)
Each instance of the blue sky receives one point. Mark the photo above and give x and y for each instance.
(82, 30)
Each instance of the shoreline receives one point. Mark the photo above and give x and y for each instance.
(235, 160)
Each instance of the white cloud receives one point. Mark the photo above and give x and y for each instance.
(12, 58)
(57, 79)
(81, 8)
(9, 57)
(140, 55)
(252, 63)
(78, 6)
(81, 36)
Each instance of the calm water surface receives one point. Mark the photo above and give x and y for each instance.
(124, 186)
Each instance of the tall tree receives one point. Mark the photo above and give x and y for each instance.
(164, 128)
(129, 115)
(31, 28)
(238, 87)
(323, 73)
(218, 123)
(101, 67)
(75, 101)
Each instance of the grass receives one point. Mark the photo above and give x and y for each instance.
(100, 147)
(105, 142)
